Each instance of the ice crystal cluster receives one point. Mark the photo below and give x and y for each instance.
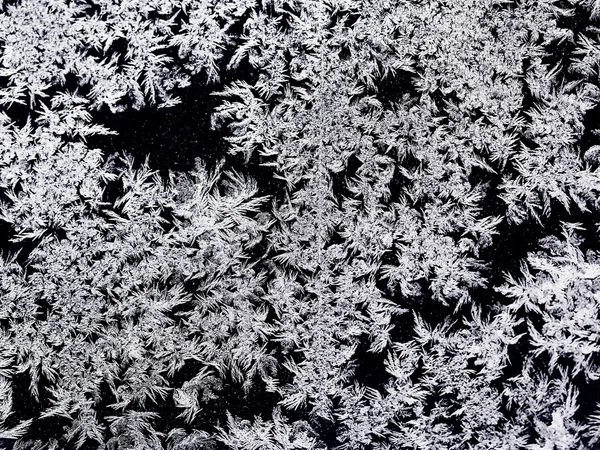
(299, 224)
